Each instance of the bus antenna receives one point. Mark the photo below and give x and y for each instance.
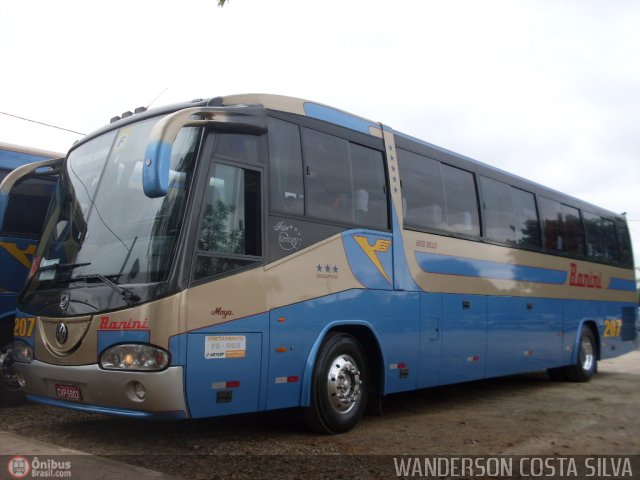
(157, 97)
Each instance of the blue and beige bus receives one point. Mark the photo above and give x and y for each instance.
(258, 252)
(21, 221)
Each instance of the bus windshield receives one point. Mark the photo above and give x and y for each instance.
(100, 220)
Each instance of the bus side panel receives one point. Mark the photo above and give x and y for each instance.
(430, 339)
(225, 365)
(223, 373)
(464, 338)
(619, 332)
(616, 331)
(297, 331)
(525, 334)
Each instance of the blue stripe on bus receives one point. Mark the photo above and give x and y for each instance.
(622, 284)
(328, 114)
(12, 160)
(470, 267)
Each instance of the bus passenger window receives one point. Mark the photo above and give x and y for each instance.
(610, 240)
(285, 160)
(526, 218)
(626, 257)
(499, 219)
(602, 238)
(328, 182)
(422, 192)
(461, 201)
(573, 230)
(594, 240)
(552, 226)
(230, 225)
(370, 199)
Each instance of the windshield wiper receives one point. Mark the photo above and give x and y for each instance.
(63, 266)
(127, 295)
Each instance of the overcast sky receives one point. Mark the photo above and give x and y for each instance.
(546, 89)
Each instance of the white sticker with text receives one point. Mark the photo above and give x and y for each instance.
(225, 346)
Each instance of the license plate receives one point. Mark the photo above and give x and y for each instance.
(68, 392)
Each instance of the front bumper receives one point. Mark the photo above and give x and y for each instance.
(106, 391)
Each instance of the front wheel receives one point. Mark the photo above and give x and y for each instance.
(587, 363)
(339, 387)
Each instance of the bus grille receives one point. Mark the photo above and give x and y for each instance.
(629, 331)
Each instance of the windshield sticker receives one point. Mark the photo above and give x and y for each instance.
(225, 346)
(48, 274)
(121, 141)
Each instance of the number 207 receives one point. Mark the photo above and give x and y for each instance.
(612, 328)
(24, 326)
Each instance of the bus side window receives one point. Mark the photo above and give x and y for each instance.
(552, 225)
(526, 218)
(610, 238)
(573, 230)
(329, 190)
(626, 257)
(498, 210)
(461, 201)
(422, 191)
(27, 207)
(285, 161)
(595, 248)
(229, 235)
(370, 198)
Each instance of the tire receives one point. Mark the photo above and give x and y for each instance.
(339, 386)
(587, 363)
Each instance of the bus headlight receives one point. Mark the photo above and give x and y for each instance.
(22, 352)
(134, 356)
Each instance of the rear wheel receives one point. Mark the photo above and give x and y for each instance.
(339, 387)
(587, 363)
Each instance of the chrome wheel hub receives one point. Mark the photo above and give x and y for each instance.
(586, 355)
(344, 384)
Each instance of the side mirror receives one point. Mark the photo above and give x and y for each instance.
(157, 156)
(45, 167)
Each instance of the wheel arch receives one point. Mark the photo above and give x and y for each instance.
(593, 326)
(368, 338)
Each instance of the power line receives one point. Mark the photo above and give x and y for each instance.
(41, 123)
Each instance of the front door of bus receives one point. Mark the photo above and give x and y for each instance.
(224, 348)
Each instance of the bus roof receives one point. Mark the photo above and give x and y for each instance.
(299, 106)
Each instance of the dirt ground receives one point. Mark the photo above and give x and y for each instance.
(518, 415)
